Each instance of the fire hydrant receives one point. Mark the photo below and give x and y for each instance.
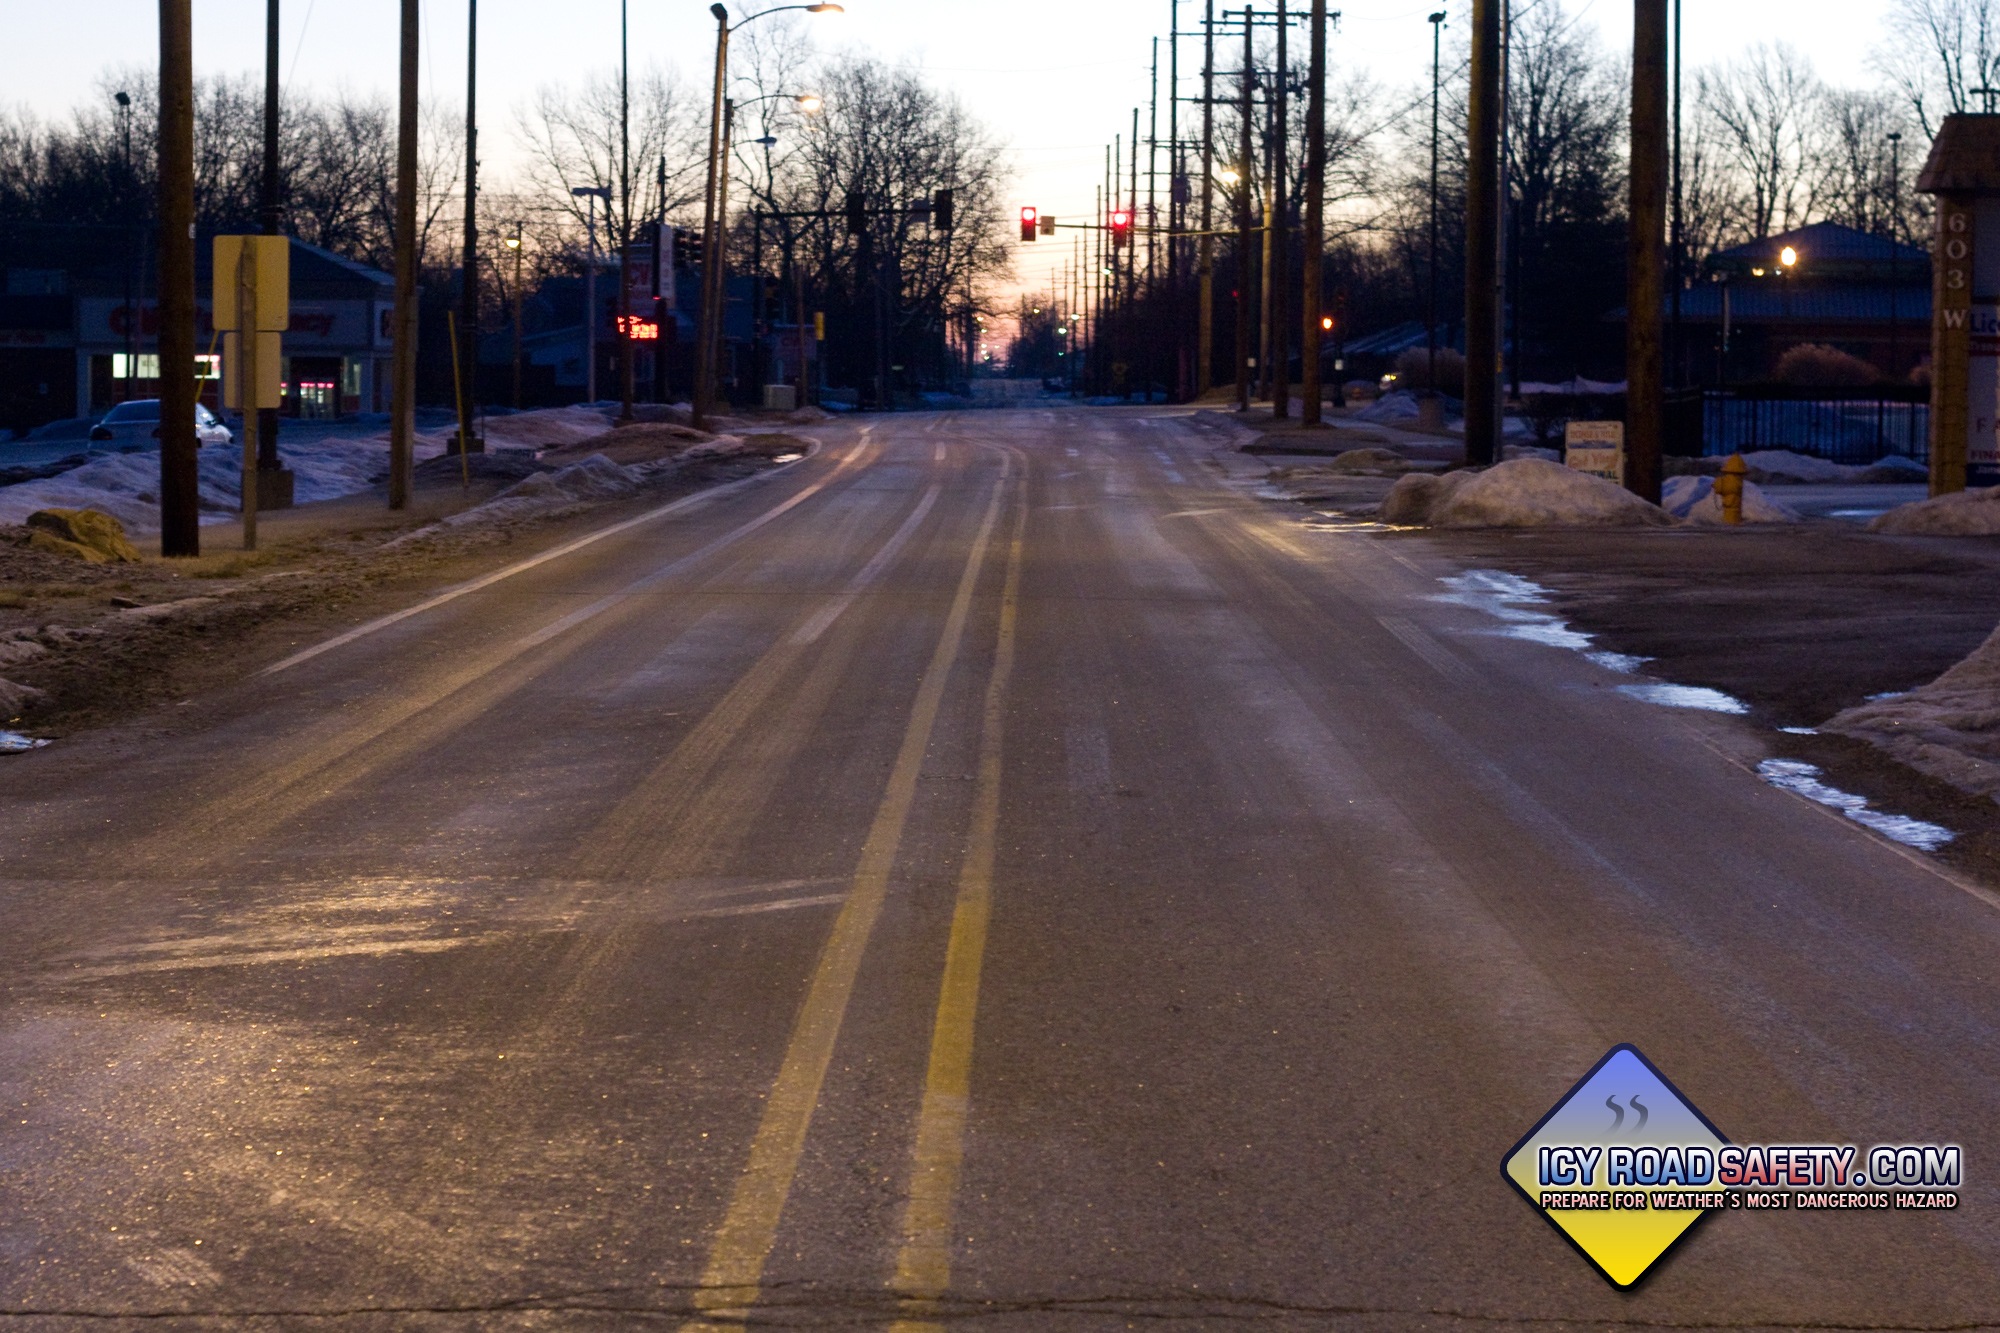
(1729, 488)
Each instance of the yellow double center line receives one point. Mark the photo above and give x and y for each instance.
(731, 1282)
(923, 1265)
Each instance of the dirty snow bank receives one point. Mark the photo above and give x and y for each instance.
(1694, 499)
(1962, 514)
(1521, 493)
(1949, 728)
(328, 462)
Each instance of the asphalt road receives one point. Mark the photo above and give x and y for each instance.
(989, 874)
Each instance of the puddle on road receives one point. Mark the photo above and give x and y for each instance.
(1685, 696)
(1795, 775)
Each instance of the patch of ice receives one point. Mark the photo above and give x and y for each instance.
(1623, 663)
(1886, 694)
(1685, 696)
(1511, 599)
(1800, 731)
(13, 742)
(1797, 776)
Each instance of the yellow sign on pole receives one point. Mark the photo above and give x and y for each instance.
(253, 306)
(269, 280)
(268, 354)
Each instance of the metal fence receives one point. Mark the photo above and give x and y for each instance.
(1840, 425)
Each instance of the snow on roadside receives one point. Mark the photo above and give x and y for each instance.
(1694, 499)
(328, 459)
(1521, 493)
(1949, 728)
(1960, 514)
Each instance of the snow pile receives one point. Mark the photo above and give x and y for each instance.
(1523, 493)
(1401, 405)
(1949, 728)
(1893, 468)
(1961, 514)
(1510, 452)
(1694, 499)
(1782, 466)
(595, 478)
(547, 428)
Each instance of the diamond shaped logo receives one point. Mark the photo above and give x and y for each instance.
(1623, 1166)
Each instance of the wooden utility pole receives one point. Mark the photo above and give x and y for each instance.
(1482, 237)
(180, 513)
(1645, 279)
(1281, 151)
(1204, 348)
(1176, 202)
(468, 320)
(1310, 332)
(711, 230)
(1246, 170)
(625, 369)
(274, 486)
(403, 403)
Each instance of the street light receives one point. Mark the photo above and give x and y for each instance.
(514, 243)
(591, 193)
(709, 332)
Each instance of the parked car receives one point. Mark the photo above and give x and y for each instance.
(136, 425)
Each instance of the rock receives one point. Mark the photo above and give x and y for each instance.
(19, 648)
(84, 533)
(14, 698)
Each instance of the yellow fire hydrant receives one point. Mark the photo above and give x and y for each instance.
(1729, 488)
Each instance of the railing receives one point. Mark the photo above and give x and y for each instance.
(1856, 426)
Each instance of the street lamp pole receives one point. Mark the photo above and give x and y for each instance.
(624, 215)
(1895, 253)
(708, 323)
(514, 243)
(590, 194)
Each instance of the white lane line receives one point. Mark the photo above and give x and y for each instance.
(488, 580)
(826, 615)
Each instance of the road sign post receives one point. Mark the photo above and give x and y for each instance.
(252, 300)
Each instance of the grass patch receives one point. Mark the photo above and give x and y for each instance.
(12, 598)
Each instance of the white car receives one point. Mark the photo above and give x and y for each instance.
(132, 426)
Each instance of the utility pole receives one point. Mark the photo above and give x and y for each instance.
(1247, 169)
(1677, 267)
(1645, 262)
(403, 401)
(180, 514)
(514, 243)
(624, 216)
(1482, 238)
(1436, 21)
(1176, 201)
(1204, 348)
(1281, 145)
(1133, 359)
(1310, 331)
(272, 493)
(468, 324)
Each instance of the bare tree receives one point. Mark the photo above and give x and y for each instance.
(1939, 52)
(1762, 113)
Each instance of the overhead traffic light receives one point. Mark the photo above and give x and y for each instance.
(1030, 217)
(1048, 224)
(1121, 227)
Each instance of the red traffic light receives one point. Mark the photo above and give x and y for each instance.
(1029, 217)
(1121, 226)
